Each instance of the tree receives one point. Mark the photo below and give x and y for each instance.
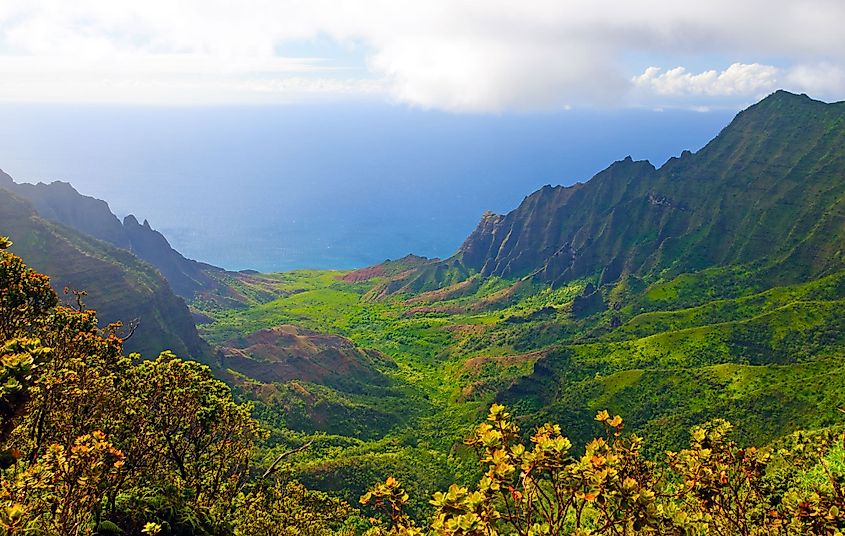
(25, 298)
(290, 509)
(190, 432)
(85, 427)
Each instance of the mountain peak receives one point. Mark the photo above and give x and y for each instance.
(785, 101)
(786, 96)
(5, 179)
(61, 185)
(756, 179)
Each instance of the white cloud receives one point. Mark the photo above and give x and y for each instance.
(452, 54)
(817, 79)
(738, 79)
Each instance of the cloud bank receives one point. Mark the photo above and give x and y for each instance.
(459, 55)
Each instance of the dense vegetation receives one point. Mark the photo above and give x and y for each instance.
(712, 487)
(98, 443)
(95, 442)
(685, 351)
(708, 290)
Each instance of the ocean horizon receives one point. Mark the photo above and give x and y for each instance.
(277, 188)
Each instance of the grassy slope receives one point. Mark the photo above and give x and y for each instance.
(721, 287)
(665, 354)
(690, 347)
(686, 350)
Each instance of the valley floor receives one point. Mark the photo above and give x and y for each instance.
(666, 355)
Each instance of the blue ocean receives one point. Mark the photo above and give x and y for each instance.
(325, 184)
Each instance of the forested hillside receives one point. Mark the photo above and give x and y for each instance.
(121, 286)
(97, 443)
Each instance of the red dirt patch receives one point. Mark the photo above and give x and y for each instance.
(363, 274)
(474, 365)
(465, 329)
(426, 309)
(498, 297)
(286, 353)
(445, 293)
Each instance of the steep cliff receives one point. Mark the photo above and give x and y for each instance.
(118, 284)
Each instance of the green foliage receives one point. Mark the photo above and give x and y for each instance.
(174, 510)
(97, 442)
(348, 473)
(25, 295)
(290, 509)
(18, 358)
(25, 299)
(57, 493)
(711, 487)
(391, 499)
(669, 353)
(201, 438)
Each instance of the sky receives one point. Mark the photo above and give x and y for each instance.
(326, 185)
(459, 56)
(315, 133)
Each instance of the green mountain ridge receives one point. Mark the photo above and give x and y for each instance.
(59, 202)
(767, 188)
(710, 286)
(119, 285)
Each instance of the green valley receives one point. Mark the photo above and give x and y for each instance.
(672, 315)
(710, 288)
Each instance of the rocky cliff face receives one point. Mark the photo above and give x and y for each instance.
(59, 202)
(119, 286)
(558, 233)
(769, 187)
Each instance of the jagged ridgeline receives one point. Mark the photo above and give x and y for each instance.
(120, 285)
(60, 203)
(710, 285)
(768, 189)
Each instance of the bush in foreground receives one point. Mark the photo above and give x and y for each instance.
(713, 487)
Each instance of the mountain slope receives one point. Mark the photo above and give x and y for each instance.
(315, 381)
(286, 353)
(119, 285)
(59, 202)
(187, 277)
(711, 286)
(769, 188)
